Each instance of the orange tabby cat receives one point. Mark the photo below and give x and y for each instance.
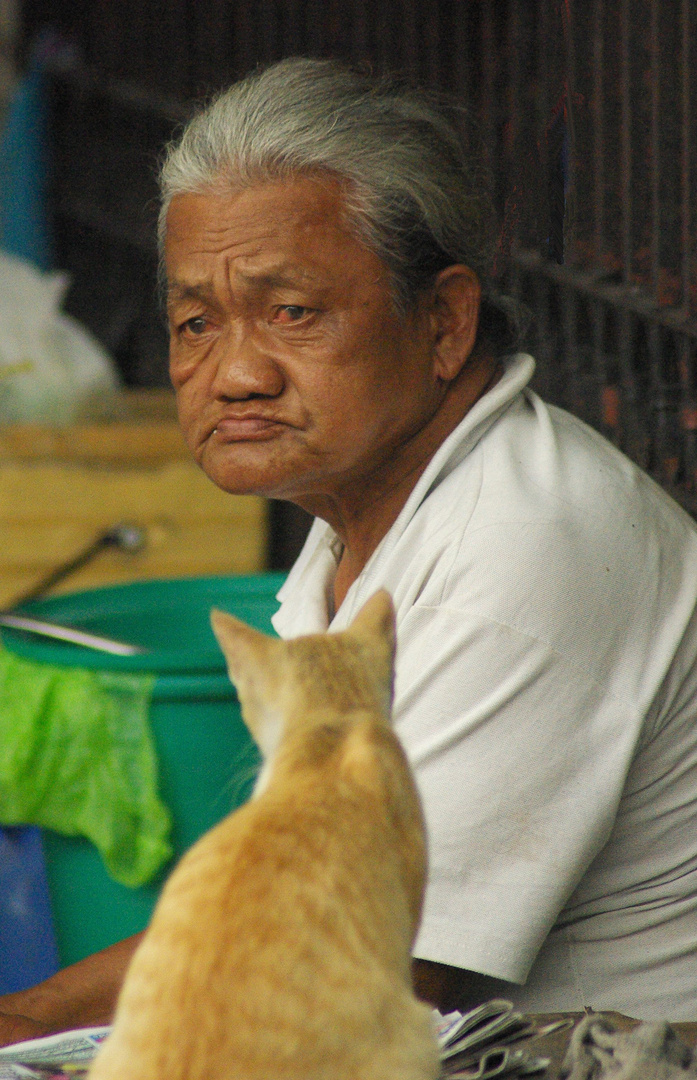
(280, 947)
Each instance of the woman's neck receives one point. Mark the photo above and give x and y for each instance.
(374, 514)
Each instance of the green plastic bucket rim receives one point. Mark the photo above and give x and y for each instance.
(204, 665)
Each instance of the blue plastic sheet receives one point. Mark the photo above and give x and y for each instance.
(28, 950)
(24, 166)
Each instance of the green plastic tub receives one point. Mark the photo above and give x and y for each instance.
(207, 758)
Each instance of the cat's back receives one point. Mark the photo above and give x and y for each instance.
(283, 937)
(281, 943)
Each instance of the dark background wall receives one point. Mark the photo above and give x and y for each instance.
(585, 110)
(129, 70)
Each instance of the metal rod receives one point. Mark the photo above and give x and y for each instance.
(432, 67)
(625, 143)
(514, 48)
(658, 433)
(268, 31)
(617, 297)
(360, 37)
(542, 101)
(489, 125)
(44, 628)
(685, 150)
(290, 26)
(410, 36)
(382, 37)
(555, 148)
(659, 454)
(570, 176)
(655, 154)
(685, 347)
(631, 431)
(688, 413)
(598, 135)
(129, 538)
(569, 318)
(459, 75)
(606, 389)
(547, 373)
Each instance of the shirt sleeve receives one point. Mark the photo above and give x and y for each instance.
(520, 756)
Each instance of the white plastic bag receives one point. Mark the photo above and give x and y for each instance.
(52, 371)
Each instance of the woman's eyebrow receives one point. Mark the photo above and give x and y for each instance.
(256, 281)
(181, 290)
(278, 277)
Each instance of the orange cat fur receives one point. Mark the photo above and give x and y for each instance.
(280, 947)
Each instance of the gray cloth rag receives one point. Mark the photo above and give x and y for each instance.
(651, 1051)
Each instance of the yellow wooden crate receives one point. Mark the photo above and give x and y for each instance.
(61, 489)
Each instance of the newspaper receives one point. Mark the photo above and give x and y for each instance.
(477, 1045)
(56, 1056)
(486, 1042)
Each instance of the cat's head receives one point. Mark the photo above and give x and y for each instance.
(303, 677)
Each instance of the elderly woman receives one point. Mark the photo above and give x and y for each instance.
(335, 342)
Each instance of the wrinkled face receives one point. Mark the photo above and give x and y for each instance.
(294, 374)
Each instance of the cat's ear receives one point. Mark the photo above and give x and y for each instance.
(251, 661)
(377, 619)
(243, 647)
(374, 627)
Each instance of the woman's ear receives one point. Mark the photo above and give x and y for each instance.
(456, 298)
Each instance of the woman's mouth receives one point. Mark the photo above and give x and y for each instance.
(244, 428)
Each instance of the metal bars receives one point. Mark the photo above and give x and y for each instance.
(685, 163)
(598, 115)
(586, 110)
(616, 329)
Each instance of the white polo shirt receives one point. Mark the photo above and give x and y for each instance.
(546, 694)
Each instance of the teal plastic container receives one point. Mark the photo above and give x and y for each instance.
(207, 759)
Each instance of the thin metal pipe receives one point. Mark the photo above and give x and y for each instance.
(489, 124)
(212, 50)
(315, 23)
(655, 154)
(616, 296)
(360, 35)
(685, 175)
(659, 428)
(542, 97)
(268, 30)
(459, 74)
(658, 433)
(431, 34)
(688, 413)
(631, 432)
(570, 351)
(546, 370)
(598, 135)
(625, 143)
(382, 36)
(291, 26)
(570, 90)
(410, 36)
(514, 49)
(73, 634)
(243, 38)
(688, 410)
(607, 392)
(124, 537)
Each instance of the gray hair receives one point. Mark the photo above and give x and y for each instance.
(414, 195)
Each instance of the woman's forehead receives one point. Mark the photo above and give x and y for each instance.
(279, 234)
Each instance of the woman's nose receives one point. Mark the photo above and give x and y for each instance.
(244, 367)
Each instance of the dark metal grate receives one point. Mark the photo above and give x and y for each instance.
(586, 113)
(606, 260)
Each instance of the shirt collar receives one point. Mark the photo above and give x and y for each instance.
(305, 594)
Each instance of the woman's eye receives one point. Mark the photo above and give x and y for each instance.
(196, 325)
(290, 313)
